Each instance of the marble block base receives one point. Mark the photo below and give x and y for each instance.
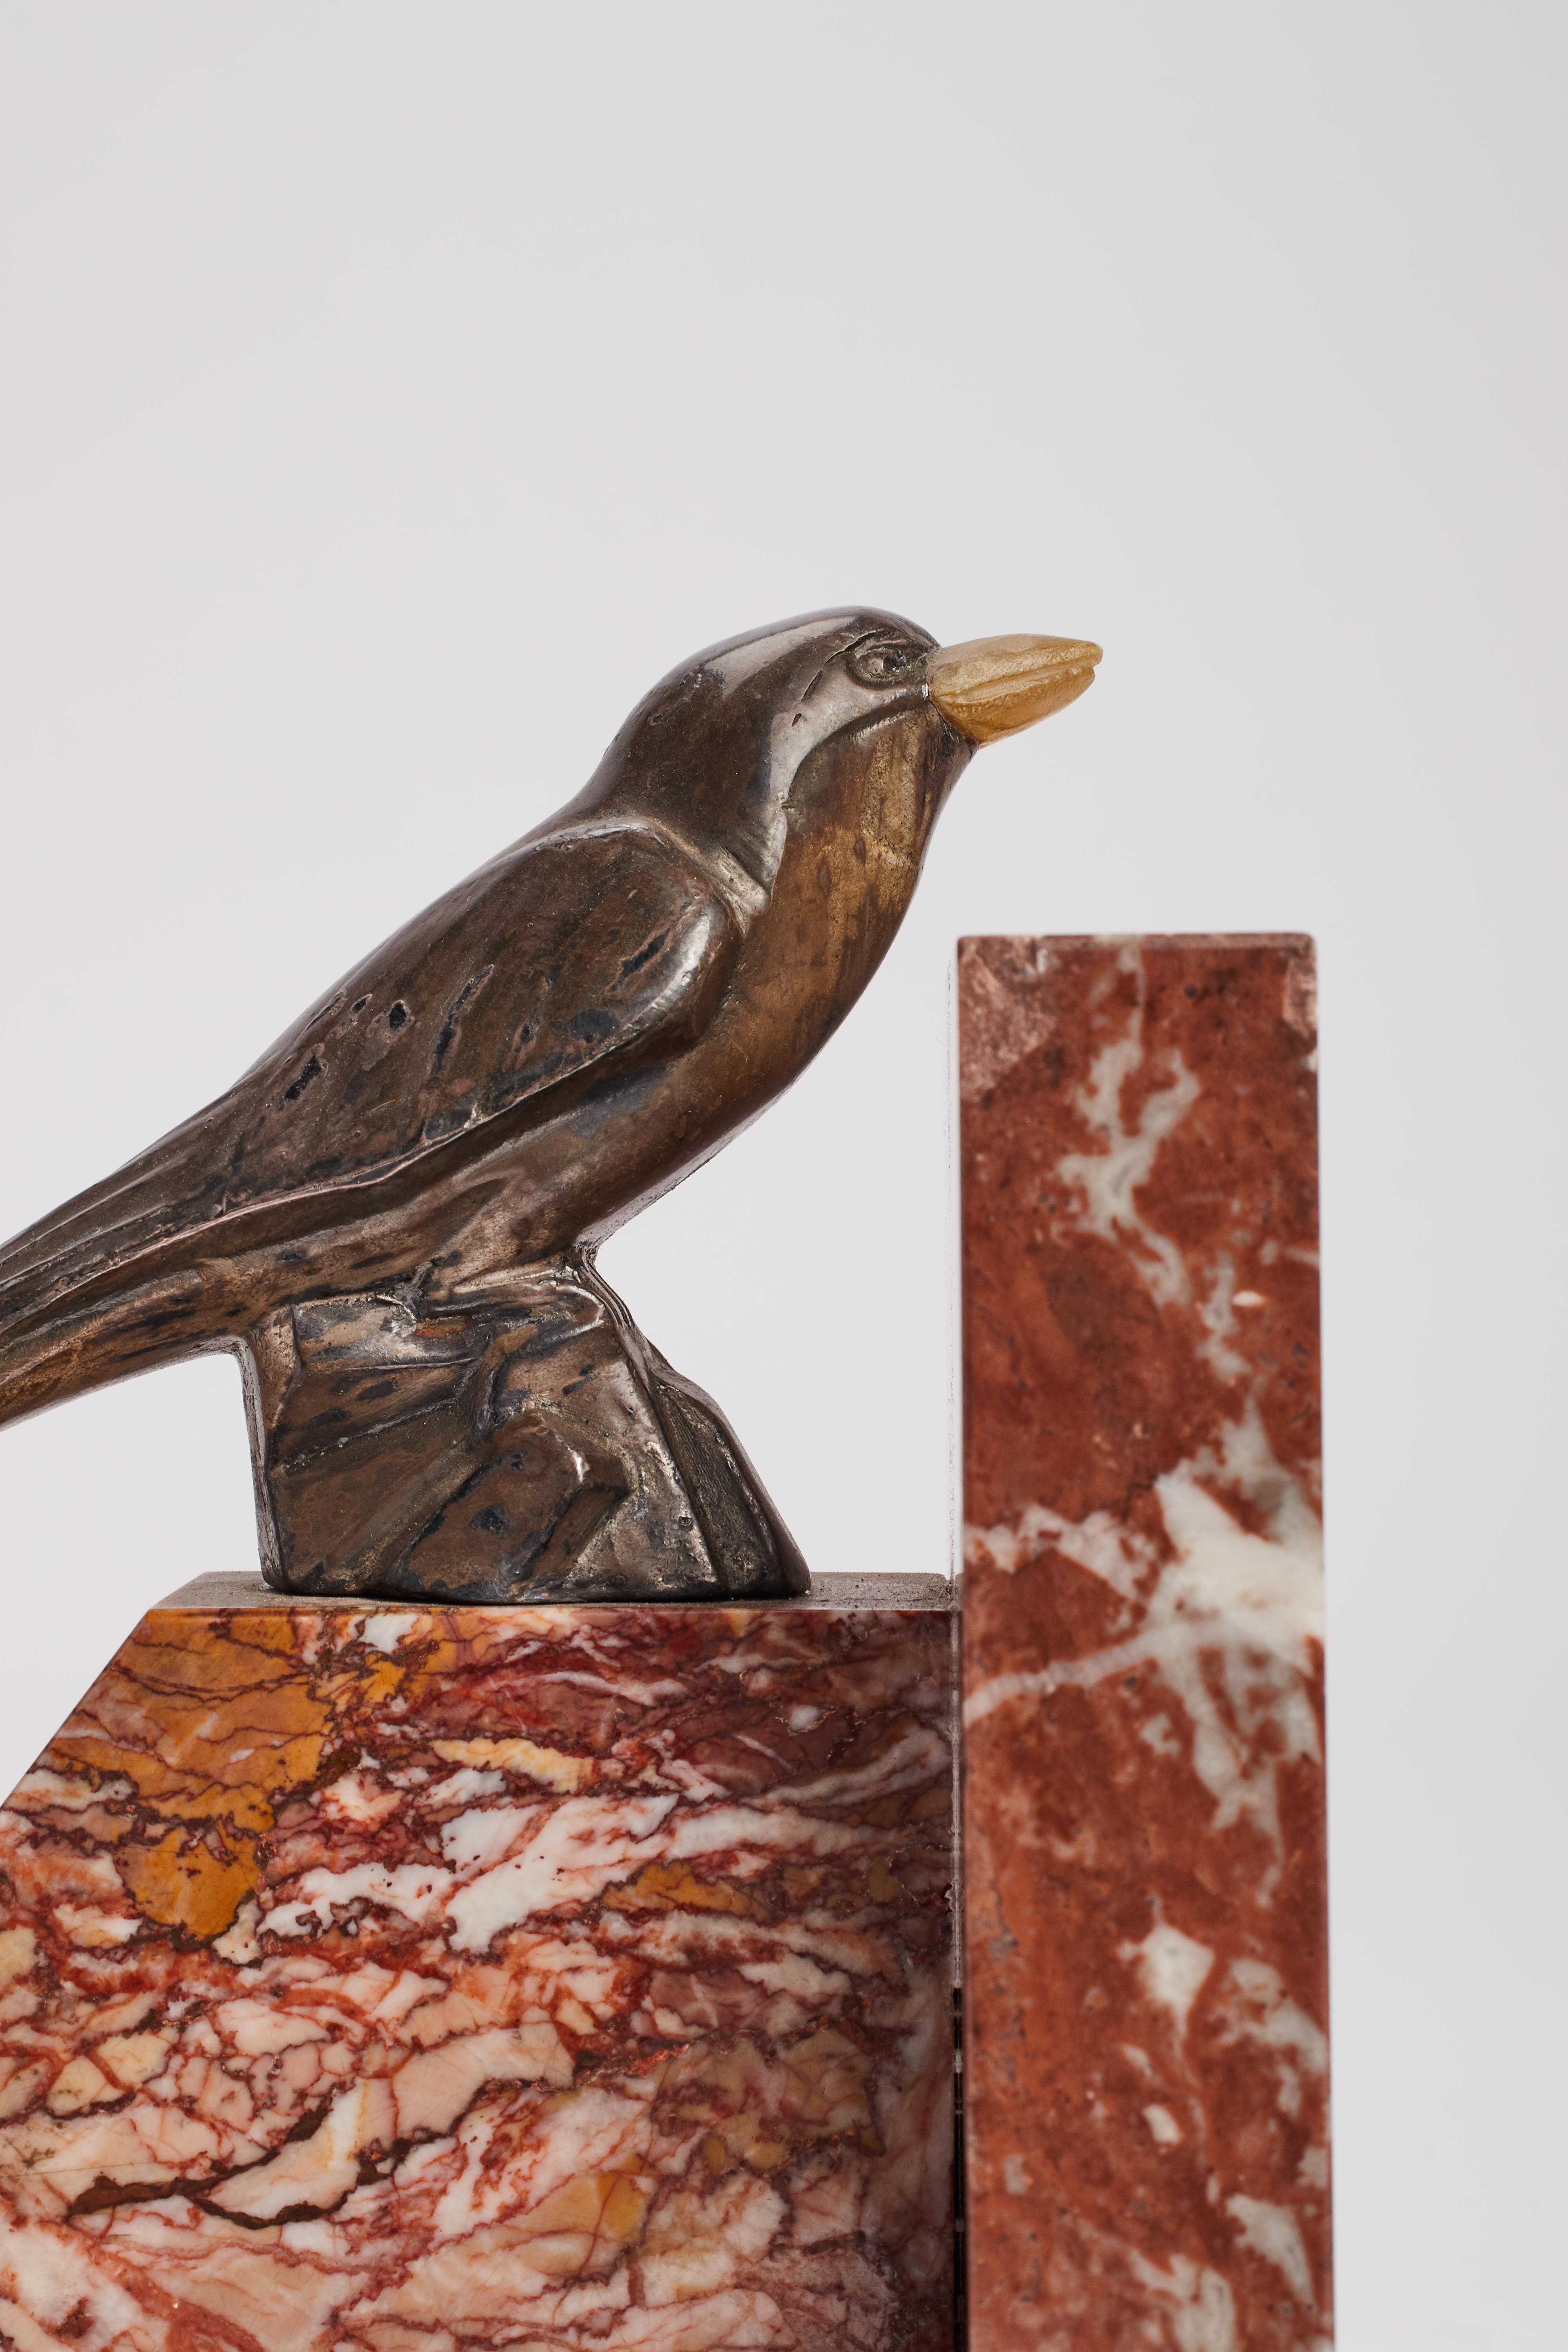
(389, 1978)
(1145, 2002)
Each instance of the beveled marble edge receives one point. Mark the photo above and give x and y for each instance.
(1229, 940)
(1145, 938)
(228, 1589)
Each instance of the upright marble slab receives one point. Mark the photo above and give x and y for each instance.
(386, 1978)
(1145, 1991)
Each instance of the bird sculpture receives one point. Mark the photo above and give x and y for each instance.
(392, 1218)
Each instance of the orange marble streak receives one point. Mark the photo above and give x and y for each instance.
(385, 1979)
(1145, 1990)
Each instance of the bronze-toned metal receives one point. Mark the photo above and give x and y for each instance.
(392, 1218)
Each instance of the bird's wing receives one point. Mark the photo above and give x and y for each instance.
(560, 954)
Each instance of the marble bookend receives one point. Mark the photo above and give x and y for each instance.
(381, 1978)
(1145, 2050)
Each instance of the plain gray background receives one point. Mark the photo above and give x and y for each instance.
(393, 391)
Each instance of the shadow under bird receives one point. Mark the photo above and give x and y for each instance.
(392, 1218)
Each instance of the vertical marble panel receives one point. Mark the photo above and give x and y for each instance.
(1145, 1994)
(384, 1979)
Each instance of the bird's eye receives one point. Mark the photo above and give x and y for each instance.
(882, 665)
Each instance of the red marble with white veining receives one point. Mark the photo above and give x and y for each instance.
(389, 1979)
(1145, 1995)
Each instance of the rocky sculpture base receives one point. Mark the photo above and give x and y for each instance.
(528, 1444)
(403, 1978)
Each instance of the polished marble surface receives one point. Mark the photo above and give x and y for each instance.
(413, 1980)
(1146, 1996)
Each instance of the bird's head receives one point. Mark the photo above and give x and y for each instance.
(725, 749)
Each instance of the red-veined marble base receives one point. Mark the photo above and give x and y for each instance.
(380, 1979)
(1145, 1995)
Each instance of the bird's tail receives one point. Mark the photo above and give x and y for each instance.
(78, 1344)
(101, 1288)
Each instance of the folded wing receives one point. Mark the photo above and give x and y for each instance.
(558, 956)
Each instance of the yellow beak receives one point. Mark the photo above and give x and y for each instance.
(994, 686)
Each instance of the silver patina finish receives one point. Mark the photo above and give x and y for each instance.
(392, 1218)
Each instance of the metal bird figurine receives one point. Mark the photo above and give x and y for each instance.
(392, 1218)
